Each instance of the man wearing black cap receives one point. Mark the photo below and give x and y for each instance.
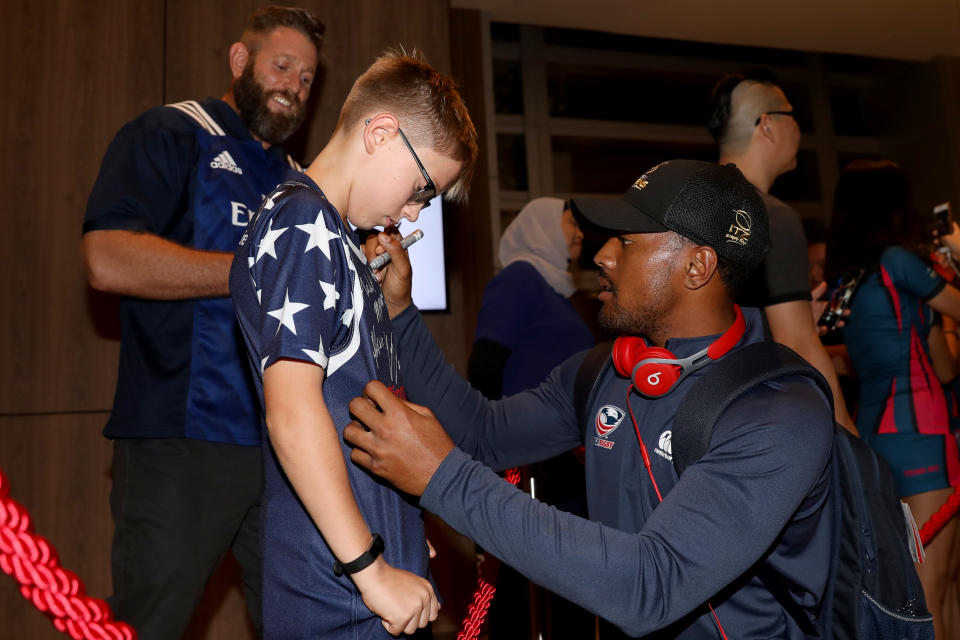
(682, 236)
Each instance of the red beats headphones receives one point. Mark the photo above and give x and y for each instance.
(655, 371)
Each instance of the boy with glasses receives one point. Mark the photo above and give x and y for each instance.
(342, 552)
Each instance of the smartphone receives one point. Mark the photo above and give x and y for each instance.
(840, 298)
(943, 221)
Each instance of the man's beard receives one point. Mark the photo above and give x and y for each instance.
(252, 102)
(643, 321)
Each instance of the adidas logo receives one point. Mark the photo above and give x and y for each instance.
(225, 161)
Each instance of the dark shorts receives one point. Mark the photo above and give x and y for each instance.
(920, 462)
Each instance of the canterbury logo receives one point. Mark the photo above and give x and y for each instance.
(739, 232)
(225, 161)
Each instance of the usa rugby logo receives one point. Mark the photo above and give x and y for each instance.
(608, 419)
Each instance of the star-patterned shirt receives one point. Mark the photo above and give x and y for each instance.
(302, 290)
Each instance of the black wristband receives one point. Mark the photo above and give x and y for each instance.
(363, 561)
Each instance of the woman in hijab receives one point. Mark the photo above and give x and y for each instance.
(527, 325)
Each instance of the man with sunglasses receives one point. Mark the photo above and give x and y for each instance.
(756, 129)
(344, 554)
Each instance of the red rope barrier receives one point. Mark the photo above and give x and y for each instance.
(55, 591)
(938, 520)
(477, 611)
(480, 606)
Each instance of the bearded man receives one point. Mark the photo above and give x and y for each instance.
(170, 204)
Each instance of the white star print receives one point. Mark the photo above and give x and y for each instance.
(320, 236)
(285, 315)
(317, 356)
(266, 244)
(330, 294)
(348, 317)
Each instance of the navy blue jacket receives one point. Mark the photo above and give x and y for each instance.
(758, 495)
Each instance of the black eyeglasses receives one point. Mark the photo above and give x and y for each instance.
(429, 191)
(774, 113)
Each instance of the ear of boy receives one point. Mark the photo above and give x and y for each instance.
(378, 130)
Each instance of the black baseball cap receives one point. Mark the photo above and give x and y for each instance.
(713, 205)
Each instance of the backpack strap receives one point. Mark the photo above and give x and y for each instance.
(725, 381)
(588, 379)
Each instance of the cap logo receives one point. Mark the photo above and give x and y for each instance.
(643, 180)
(739, 232)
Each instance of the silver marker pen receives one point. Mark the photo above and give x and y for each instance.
(384, 258)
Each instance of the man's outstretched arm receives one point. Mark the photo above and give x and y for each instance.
(639, 581)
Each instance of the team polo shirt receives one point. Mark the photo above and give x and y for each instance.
(190, 173)
(303, 291)
(886, 336)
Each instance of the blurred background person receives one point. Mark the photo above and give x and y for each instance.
(816, 233)
(755, 128)
(526, 327)
(902, 412)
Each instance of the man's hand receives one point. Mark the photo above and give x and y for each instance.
(395, 277)
(403, 601)
(402, 442)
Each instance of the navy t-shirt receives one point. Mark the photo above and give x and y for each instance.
(303, 291)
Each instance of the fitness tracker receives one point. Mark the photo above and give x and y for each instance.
(363, 561)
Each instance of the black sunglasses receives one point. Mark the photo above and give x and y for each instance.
(429, 191)
(774, 113)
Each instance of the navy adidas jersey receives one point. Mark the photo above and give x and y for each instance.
(190, 173)
(303, 291)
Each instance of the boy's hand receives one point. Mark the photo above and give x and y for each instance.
(403, 601)
(397, 440)
(396, 277)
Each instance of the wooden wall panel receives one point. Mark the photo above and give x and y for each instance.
(93, 67)
(76, 71)
(58, 468)
(470, 223)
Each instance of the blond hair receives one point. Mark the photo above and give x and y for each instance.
(425, 101)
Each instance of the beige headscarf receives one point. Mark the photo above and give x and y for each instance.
(536, 236)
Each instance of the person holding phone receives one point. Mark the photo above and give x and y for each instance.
(902, 413)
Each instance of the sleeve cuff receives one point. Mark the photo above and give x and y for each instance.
(403, 319)
(432, 497)
(941, 283)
